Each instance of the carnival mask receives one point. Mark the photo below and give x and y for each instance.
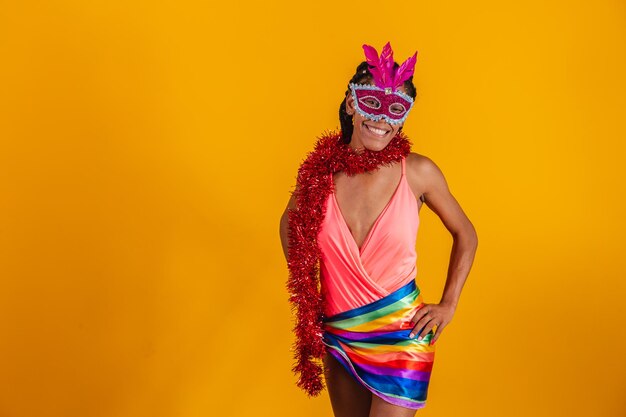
(376, 103)
(383, 100)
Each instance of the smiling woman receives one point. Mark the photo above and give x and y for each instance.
(355, 207)
(385, 106)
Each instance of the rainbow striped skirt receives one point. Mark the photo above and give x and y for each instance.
(372, 342)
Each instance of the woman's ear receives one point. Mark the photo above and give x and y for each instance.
(350, 105)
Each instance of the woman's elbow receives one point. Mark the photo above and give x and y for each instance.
(467, 234)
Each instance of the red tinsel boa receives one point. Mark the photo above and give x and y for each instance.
(329, 156)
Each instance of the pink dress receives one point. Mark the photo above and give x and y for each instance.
(351, 277)
(370, 297)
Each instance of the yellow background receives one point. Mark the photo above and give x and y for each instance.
(148, 150)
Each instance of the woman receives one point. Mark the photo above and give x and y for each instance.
(352, 220)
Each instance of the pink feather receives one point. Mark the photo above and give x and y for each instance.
(382, 67)
(371, 56)
(405, 71)
(386, 65)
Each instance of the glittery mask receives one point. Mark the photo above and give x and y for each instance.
(383, 100)
(376, 103)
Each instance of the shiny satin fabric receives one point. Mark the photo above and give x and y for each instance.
(372, 343)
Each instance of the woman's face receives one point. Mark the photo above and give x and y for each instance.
(368, 133)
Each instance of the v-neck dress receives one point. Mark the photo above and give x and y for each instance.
(351, 277)
(370, 296)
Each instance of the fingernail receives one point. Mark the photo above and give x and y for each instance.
(419, 338)
(412, 335)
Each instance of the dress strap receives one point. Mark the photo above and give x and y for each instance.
(422, 197)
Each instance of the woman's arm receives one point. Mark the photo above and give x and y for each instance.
(284, 225)
(441, 201)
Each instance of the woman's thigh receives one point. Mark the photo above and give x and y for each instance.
(381, 408)
(347, 397)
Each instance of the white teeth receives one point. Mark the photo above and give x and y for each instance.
(377, 131)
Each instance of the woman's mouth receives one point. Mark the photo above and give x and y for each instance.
(376, 131)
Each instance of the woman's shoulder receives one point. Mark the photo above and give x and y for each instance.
(421, 171)
(420, 163)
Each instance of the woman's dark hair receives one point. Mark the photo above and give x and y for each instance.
(364, 76)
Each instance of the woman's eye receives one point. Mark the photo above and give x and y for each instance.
(371, 102)
(397, 109)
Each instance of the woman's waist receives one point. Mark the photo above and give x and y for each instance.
(393, 310)
(349, 290)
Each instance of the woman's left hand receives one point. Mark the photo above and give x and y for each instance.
(431, 315)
